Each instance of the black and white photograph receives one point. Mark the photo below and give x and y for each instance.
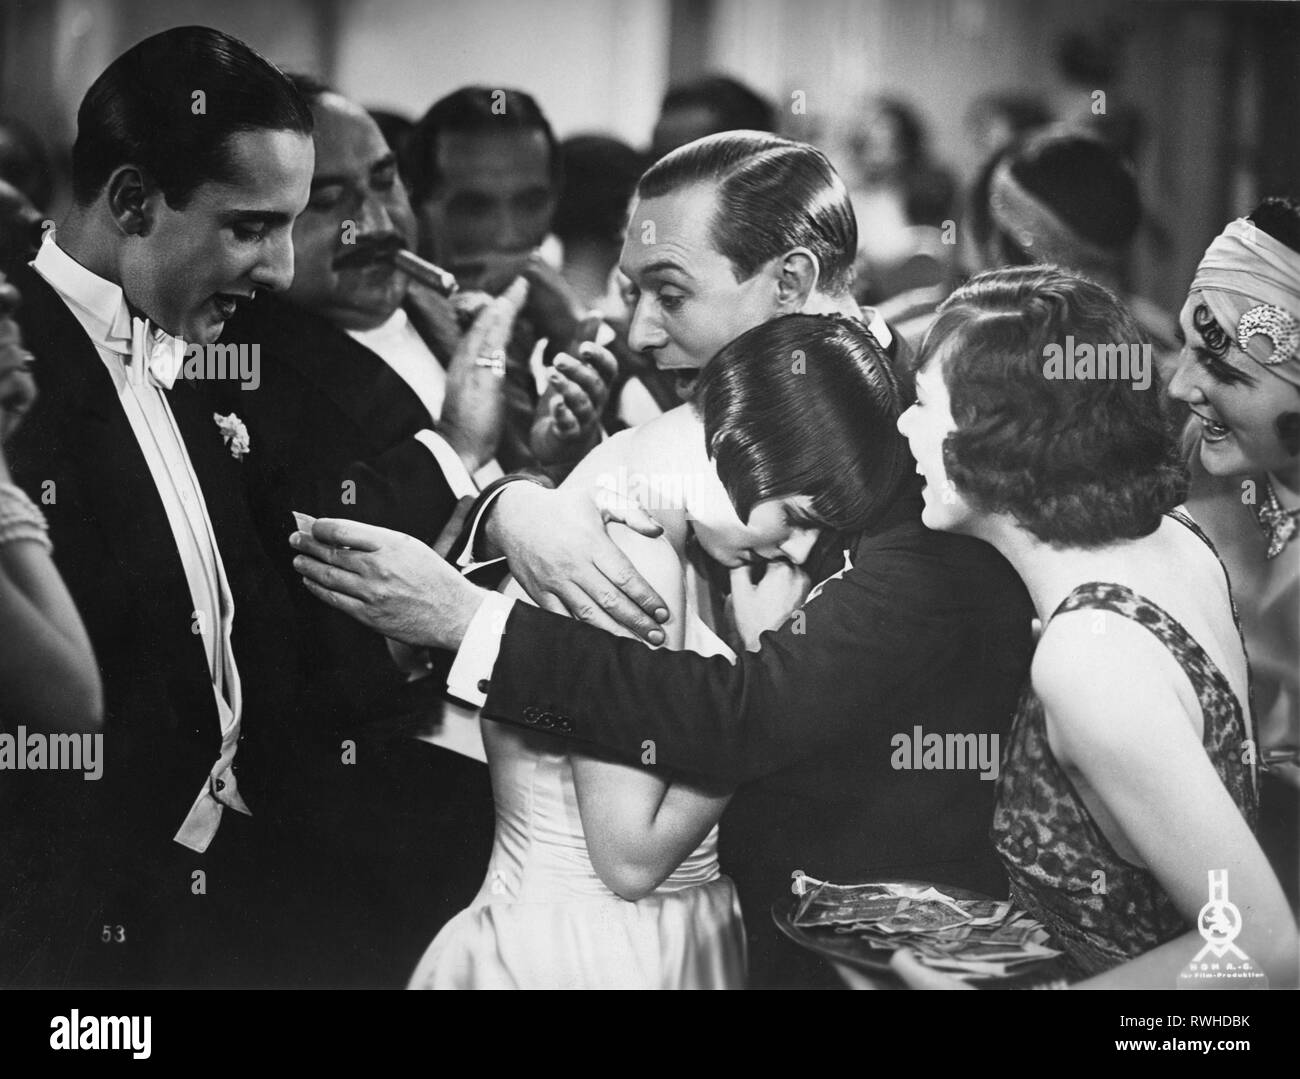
(650, 494)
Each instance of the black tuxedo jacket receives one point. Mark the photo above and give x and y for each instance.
(925, 630)
(411, 822)
(75, 853)
(77, 457)
(332, 430)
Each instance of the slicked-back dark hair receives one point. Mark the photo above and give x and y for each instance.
(806, 405)
(142, 110)
(773, 194)
(1077, 462)
(472, 110)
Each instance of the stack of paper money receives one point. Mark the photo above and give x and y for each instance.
(968, 938)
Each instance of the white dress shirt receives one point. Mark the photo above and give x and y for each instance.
(126, 345)
(399, 345)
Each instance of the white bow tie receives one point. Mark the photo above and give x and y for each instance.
(163, 354)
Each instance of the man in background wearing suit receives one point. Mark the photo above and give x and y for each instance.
(908, 628)
(370, 404)
(193, 157)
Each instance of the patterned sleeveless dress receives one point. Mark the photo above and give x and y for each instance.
(1050, 844)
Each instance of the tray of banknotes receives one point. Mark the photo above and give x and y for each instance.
(955, 930)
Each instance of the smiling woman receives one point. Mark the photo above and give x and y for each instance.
(1240, 375)
(1131, 770)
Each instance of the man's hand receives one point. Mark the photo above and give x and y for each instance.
(559, 552)
(567, 421)
(756, 608)
(387, 581)
(473, 412)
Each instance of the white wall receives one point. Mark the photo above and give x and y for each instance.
(592, 65)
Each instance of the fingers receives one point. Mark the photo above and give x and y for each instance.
(491, 329)
(338, 532)
(605, 608)
(626, 511)
(634, 601)
(346, 604)
(342, 557)
(333, 578)
(603, 362)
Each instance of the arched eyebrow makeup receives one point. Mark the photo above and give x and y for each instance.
(1213, 350)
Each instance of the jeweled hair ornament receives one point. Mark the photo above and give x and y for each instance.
(1251, 284)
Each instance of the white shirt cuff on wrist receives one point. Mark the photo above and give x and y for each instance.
(471, 672)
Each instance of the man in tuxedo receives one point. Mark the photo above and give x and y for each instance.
(908, 628)
(370, 404)
(183, 203)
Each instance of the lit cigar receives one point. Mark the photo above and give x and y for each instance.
(438, 279)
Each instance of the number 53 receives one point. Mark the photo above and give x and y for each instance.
(114, 933)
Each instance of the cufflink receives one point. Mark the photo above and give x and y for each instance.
(483, 683)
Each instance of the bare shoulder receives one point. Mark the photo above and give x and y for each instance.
(1102, 677)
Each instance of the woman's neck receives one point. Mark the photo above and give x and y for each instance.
(1052, 573)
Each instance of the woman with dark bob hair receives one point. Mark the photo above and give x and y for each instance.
(605, 874)
(1128, 792)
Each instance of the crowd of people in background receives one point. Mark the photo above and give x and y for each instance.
(393, 743)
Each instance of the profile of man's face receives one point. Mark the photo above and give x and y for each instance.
(357, 215)
(492, 205)
(682, 294)
(190, 268)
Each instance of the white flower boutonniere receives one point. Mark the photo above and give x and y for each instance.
(233, 433)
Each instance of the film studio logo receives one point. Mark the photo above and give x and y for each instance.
(1220, 964)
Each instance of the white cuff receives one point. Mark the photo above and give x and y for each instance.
(453, 468)
(472, 670)
(465, 561)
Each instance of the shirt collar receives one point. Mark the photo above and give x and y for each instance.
(107, 317)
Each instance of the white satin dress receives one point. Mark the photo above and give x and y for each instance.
(544, 919)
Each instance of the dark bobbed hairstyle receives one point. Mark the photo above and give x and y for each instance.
(737, 107)
(806, 405)
(773, 194)
(142, 111)
(472, 110)
(1280, 218)
(1082, 178)
(600, 174)
(1077, 462)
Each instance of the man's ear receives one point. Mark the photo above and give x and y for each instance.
(797, 276)
(132, 200)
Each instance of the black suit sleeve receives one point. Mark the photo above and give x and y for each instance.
(848, 661)
(402, 488)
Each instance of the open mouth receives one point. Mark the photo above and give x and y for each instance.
(1212, 430)
(227, 303)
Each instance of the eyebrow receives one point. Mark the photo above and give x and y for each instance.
(270, 217)
(665, 266)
